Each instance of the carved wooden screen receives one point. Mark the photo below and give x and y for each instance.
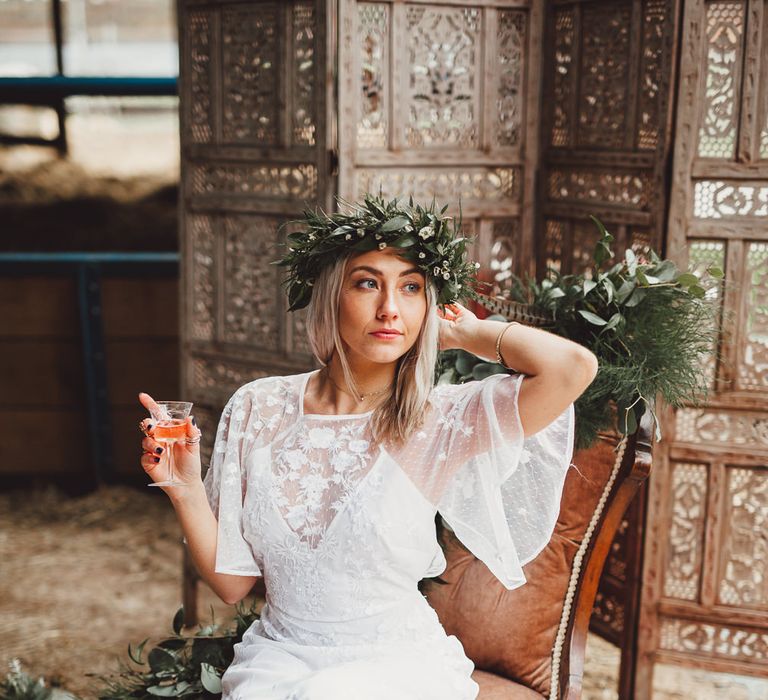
(254, 152)
(705, 593)
(441, 99)
(608, 71)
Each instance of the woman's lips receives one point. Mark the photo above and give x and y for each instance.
(386, 336)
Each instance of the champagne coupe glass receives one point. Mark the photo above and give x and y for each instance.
(170, 428)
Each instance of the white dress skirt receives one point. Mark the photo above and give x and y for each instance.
(343, 530)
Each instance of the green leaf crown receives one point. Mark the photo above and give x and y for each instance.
(432, 241)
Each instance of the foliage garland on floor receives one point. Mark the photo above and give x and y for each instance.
(181, 666)
(650, 325)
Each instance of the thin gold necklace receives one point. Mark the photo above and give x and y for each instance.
(349, 393)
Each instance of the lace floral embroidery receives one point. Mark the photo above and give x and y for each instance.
(316, 469)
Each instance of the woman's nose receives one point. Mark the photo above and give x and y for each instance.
(388, 306)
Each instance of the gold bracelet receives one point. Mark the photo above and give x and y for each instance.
(499, 358)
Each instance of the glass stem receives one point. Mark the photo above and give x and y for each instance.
(169, 447)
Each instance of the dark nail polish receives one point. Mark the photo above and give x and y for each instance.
(159, 450)
(157, 459)
(194, 422)
(149, 426)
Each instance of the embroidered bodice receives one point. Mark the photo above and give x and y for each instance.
(343, 528)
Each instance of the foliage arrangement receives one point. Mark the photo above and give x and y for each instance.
(181, 666)
(650, 325)
(426, 237)
(18, 685)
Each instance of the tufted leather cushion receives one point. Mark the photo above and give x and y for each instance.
(512, 633)
(493, 687)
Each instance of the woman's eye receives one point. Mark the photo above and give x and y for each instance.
(413, 287)
(362, 282)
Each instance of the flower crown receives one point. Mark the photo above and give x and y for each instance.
(431, 241)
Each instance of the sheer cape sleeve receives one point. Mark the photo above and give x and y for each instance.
(498, 490)
(226, 482)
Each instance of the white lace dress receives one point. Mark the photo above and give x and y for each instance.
(343, 530)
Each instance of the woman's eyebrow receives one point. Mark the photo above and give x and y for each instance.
(374, 271)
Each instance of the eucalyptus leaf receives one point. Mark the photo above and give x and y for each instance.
(666, 271)
(169, 691)
(135, 656)
(394, 224)
(210, 678)
(161, 659)
(610, 288)
(178, 620)
(624, 291)
(637, 296)
(716, 272)
(613, 321)
(589, 285)
(592, 318)
(173, 643)
(687, 279)
(464, 363)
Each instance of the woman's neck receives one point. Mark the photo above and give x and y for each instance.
(331, 394)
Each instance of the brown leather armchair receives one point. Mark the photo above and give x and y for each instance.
(530, 642)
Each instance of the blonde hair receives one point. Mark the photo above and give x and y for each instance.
(401, 411)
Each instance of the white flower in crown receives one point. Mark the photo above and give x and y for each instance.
(426, 232)
(321, 438)
(446, 275)
(382, 246)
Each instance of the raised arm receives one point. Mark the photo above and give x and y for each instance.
(557, 370)
(193, 510)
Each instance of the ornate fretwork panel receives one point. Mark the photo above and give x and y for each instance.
(606, 106)
(250, 69)
(251, 182)
(477, 184)
(603, 71)
(251, 282)
(715, 571)
(703, 254)
(715, 641)
(744, 568)
(738, 429)
(713, 199)
(753, 364)
(304, 75)
(504, 250)
(203, 277)
(685, 543)
(509, 110)
(199, 108)
(254, 153)
(444, 81)
(719, 118)
(373, 35)
(436, 107)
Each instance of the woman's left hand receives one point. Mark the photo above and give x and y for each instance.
(455, 324)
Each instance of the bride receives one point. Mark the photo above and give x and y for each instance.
(327, 482)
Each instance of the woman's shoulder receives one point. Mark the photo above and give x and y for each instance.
(269, 390)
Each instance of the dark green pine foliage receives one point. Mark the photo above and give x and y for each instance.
(652, 327)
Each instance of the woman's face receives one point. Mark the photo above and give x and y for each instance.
(381, 291)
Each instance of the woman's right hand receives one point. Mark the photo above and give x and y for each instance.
(154, 460)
